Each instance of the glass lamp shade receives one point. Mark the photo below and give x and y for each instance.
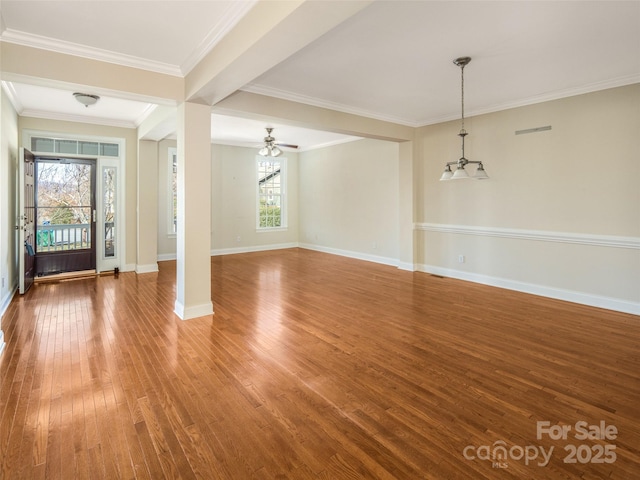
(480, 173)
(460, 173)
(86, 99)
(270, 151)
(447, 174)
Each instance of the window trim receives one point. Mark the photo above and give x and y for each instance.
(171, 151)
(284, 223)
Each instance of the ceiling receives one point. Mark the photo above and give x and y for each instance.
(391, 61)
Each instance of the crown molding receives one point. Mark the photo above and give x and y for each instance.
(71, 87)
(257, 145)
(145, 114)
(78, 119)
(317, 102)
(229, 20)
(70, 48)
(330, 144)
(545, 97)
(12, 95)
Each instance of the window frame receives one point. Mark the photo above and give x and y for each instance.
(172, 215)
(282, 161)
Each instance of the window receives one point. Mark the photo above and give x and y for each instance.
(271, 193)
(173, 190)
(74, 147)
(109, 190)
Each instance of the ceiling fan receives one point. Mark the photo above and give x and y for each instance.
(270, 148)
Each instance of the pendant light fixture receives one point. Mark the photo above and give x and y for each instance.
(460, 171)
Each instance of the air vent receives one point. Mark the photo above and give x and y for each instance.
(533, 130)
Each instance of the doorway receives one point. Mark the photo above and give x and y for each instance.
(97, 244)
(65, 211)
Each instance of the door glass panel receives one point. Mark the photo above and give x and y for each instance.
(109, 206)
(63, 207)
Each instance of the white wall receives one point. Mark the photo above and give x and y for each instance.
(342, 199)
(559, 215)
(233, 197)
(349, 200)
(147, 207)
(8, 203)
(234, 202)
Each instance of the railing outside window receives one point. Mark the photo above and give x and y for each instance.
(57, 238)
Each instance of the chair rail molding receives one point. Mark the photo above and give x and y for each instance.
(537, 235)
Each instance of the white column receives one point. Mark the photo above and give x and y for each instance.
(406, 242)
(147, 247)
(194, 212)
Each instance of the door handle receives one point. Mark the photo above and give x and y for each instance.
(94, 216)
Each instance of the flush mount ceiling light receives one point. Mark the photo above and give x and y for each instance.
(270, 148)
(86, 99)
(460, 172)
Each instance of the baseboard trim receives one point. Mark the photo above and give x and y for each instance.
(409, 267)
(149, 268)
(351, 254)
(164, 257)
(258, 248)
(129, 267)
(6, 301)
(195, 311)
(599, 301)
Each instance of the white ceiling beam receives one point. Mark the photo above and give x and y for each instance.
(271, 32)
(43, 67)
(262, 107)
(159, 125)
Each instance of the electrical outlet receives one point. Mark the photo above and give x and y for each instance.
(238, 239)
(460, 258)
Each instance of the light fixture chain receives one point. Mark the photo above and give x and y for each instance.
(462, 161)
(462, 93)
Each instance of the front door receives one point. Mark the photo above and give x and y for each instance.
(26, 194)
(65, 215)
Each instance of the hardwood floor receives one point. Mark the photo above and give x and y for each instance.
(313, 366)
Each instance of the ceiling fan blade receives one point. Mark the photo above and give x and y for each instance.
(287, 145)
